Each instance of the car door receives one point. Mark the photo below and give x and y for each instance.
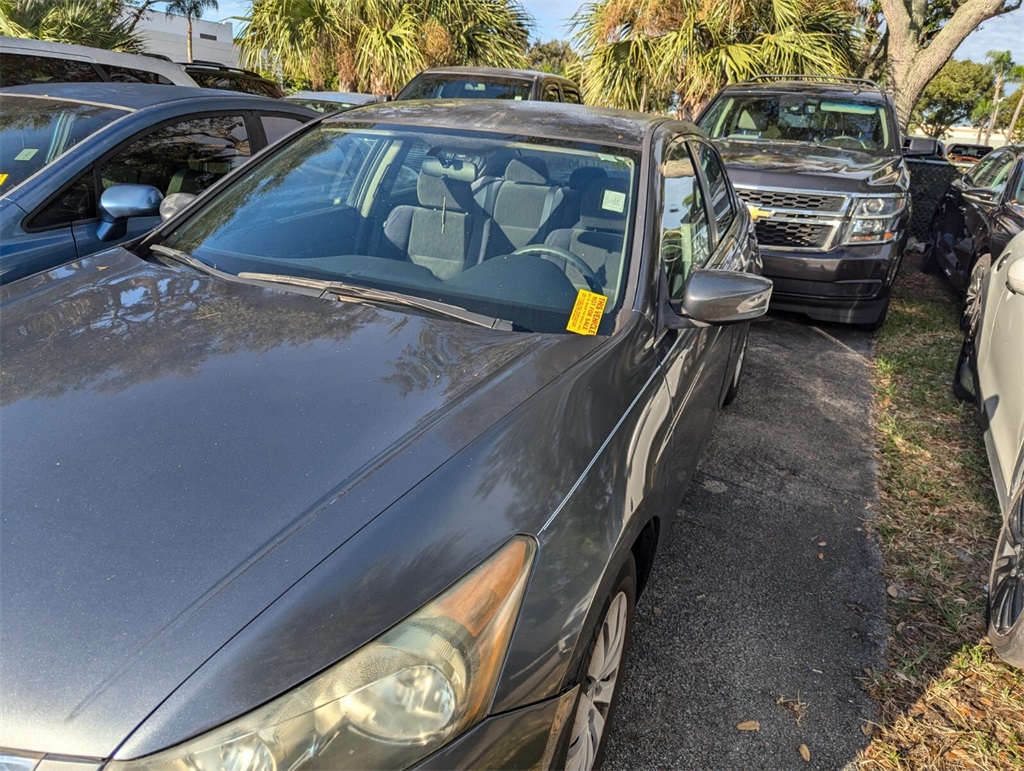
(694, 360)
(1008, 219)
(949, 228)
(981, 193)
(186, 155)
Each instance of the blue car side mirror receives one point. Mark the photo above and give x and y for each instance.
(120, 202)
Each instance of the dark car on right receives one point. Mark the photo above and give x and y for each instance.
(490, 83)
(819, 161)
(977, 217)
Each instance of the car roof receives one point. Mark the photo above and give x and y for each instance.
(824, 87)
(334, 96)
(131, 96)
(494, 72)
(554, 120)
(48, 48)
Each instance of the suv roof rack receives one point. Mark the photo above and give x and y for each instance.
(816, 79)
(218, 66)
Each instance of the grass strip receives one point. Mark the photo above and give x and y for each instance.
(947, 701)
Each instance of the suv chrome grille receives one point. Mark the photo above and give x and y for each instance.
(803, 220)
(787, 199)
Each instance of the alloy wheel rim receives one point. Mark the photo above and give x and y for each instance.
(598, 687)
(1007, 584)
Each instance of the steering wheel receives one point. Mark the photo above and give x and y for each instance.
(845, 141)
(562, 258)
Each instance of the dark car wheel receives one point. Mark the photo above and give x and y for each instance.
(1006, 589)
(965, 381)
(602, 672)
(734, 386)
(972, 293)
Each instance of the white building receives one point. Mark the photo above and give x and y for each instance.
(168, 35)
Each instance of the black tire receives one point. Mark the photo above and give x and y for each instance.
(965, 381)
(930, 261)
(1006, 588)
(737, 373)
(971, 309)
(595, 705)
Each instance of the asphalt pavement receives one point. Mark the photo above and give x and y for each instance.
(767, 603)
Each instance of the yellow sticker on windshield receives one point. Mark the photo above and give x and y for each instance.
(586, 313)
(3, 178)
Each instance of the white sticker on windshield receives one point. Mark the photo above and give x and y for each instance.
(26, 154)
(614, 201)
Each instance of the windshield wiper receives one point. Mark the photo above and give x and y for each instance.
(184, 258)
(350, 291)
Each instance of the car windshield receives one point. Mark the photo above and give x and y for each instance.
(466, 87)
(841, 122)
(519, 229)
(35, 131)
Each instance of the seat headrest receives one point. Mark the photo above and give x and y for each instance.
(531, 170)
(585, 176)
(603, 206)
(448, 186)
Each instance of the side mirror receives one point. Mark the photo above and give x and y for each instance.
(119, 203)
(719, 297)
(925, 146)
(1015, 276)
(174, 203)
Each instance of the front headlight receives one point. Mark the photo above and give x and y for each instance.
(875, 220)
(389, 704)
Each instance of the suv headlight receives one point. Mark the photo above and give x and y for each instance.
(875, 219)
(390, 703)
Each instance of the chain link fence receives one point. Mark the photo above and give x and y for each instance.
(929, 178)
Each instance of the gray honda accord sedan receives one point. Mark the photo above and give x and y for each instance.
(363, 459)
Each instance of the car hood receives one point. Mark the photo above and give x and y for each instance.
(174, 451)
(781, 165)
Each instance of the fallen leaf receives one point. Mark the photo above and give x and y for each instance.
(822, 543)
(748, 725)
(701, 597)
(657, 611)
(821, 556)
(818, 671)
(805, 753)
(892, 591)
(867, 729)
(899, 627)
(101, 267)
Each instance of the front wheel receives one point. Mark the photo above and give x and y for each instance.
(1006, 589)
(971, 309)
(602, 673)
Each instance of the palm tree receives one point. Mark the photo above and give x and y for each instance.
(96, 23)
(378, 45)
(1001, 63)
(694, 47)
(190, 9)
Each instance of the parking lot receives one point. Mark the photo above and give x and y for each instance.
(768, 603)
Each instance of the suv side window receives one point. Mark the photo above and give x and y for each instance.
(76, 202)
(183, 157)
(21, 69)
(571, 95)
(685, 227)
(130, 75)
(719, 188)
(551, 93)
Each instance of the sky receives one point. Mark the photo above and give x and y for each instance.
(1005, 33)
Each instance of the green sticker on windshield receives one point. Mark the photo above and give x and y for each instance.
(26, 154)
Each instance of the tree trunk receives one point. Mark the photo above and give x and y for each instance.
(913, 59)
(1016, 114)
(188, 44)
(995, 108)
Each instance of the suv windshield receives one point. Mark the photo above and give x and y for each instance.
(845, 123)
(509, 227)
(466, 87)
(35, 131)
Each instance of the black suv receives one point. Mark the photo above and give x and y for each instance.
(818, 161)
(214, 75)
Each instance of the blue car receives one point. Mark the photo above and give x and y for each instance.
(63, 144)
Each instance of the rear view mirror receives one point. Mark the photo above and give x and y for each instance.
(1015, 276)
(120, 202)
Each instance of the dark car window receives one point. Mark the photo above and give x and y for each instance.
(685, 228)
(276, 126)
(229, 81)
(76, 202)
(33, 132)
(183, 157)
(719, 188)
(984, 172)
(1016, 195)
(571, 95)
(846, 123)
(459, 87)
(132, 75)
(22, 69)
(551, 93)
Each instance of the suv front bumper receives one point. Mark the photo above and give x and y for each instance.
(849, 284)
